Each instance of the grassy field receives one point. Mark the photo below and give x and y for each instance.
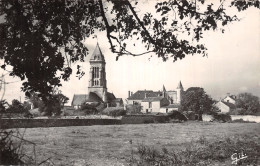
(119, 144)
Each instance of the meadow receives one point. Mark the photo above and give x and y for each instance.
(144, 144)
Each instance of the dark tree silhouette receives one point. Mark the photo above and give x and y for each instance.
(41, 38)
(248, 104)
(195, 99)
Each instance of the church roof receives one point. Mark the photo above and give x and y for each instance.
(97, 54)
(110, 97)
(78, 99)
(140, 95)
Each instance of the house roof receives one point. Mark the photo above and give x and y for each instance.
(230, 105)
(151, 99)
(172, 106)
(140, 95)
(97, 54)
(232, 97)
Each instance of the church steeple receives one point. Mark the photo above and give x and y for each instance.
(97, 54)
(97, 73)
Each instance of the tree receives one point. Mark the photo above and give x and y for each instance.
(3, 105)
(16, 106)
(195, 99)
(42, 38)
(53, 104)
(62, 99)
(26, 105)
(248, 104)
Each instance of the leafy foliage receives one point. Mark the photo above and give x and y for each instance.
(9, 154)
(3, 105)
(52, 105)
(247, 104)
(114, 111)
(37, 34)
(16, 107)
(195, 99)
(221, 117)
(41, 38)
(133, 108)
(89, 109)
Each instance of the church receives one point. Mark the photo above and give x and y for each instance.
(97, 86)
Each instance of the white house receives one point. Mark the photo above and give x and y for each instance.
(225, 107)
(153, 104)
(230, 99)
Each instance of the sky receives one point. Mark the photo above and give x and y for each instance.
(232, 65)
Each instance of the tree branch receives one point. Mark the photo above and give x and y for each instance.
(107, 25)
(156, 44)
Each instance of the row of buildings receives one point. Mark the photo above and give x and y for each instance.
(150, 101)
(157, 101)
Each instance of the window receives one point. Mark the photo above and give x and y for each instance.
(146, 110)
(166, 110)
(150, 104)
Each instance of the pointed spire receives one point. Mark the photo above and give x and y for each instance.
(164, 90)
(97, 54)
(180, 86)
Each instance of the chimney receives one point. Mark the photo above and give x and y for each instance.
(228, 94)
(129, 93)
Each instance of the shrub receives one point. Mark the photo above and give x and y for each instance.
(177, 115)
(9, 155)
(133, 109)
(237, 111)
(88, 109)
(114, 111)
(241, 121)
(190, 115)
(222, 117)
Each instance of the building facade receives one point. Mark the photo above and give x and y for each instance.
(157, 101)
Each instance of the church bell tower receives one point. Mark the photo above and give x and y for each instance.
(97, 73)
